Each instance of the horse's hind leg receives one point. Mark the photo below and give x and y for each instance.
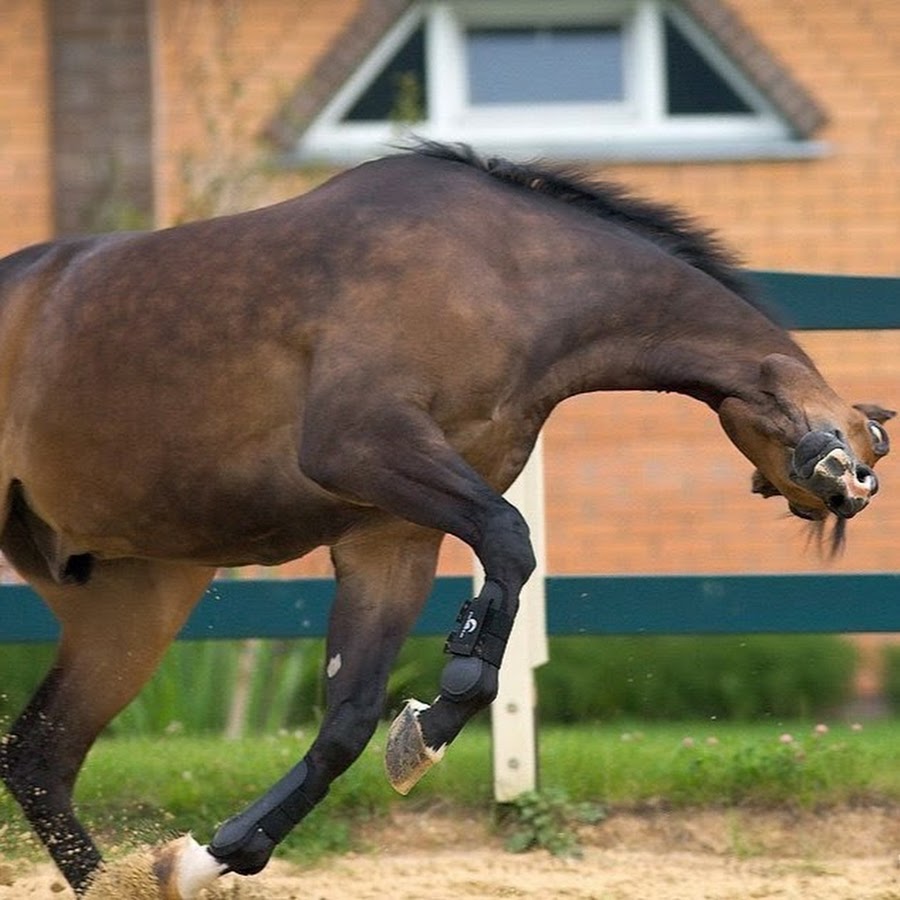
(115, 629)
(384, 576)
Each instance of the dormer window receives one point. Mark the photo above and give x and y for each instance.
(630, 79)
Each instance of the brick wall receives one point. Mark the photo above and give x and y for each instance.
(223, 69)
(24, 127)
(638, 483)
(647, 483)
(686, 505)
(840, 213)
(650, 483)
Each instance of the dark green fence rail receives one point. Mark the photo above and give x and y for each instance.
(640, 604)
(677, 604)
(831, 302)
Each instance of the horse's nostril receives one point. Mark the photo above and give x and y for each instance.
(864, 475)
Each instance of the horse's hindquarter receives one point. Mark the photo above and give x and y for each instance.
(154, 406)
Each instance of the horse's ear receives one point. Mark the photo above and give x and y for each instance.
(874, 412)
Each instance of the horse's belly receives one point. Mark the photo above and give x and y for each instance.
(265, 541)
(202, 520)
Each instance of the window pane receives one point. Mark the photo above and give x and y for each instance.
(694, 86)
(544, 65)
(400, 90)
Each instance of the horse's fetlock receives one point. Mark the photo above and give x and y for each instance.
(469, 679)
(250, 856)
(246, 841)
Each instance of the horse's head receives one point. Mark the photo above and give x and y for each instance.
(808, 445)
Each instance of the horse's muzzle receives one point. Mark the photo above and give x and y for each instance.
(823, 465)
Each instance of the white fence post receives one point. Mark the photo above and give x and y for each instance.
(513, 723)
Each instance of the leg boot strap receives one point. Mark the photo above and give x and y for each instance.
(483, 626)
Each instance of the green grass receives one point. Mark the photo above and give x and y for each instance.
(711, 764)
(139, 789)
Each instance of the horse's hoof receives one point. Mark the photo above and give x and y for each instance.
(407, 757)
(183, 868)
(177, 871)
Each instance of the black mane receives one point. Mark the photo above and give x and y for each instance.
(665, 225)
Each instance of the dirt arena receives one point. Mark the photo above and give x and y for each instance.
(844, 855)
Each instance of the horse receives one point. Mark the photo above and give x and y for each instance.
(364, 367)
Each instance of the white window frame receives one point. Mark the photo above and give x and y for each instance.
(637, 128)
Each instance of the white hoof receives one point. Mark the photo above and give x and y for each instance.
(178, 870)
(183, 868)
(407, 757)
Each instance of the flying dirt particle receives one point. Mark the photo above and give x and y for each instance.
(131, 878)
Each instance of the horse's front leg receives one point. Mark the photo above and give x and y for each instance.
(400, 461)
(384, 576)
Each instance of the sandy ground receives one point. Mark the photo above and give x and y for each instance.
(846, 855)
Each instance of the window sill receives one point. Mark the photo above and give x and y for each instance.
(622, 151)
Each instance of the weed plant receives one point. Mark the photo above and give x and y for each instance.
(548, 820)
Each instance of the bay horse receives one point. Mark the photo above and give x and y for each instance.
(365, 367)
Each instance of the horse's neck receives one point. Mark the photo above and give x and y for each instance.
(702, 341)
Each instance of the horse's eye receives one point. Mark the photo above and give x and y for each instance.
(881, 443)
